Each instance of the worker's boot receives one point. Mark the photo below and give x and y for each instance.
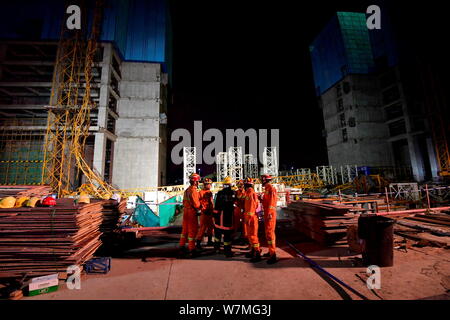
(228, 252)
(199, 245)
(193, 254)
(266, 255)
(250, 253)
(210, 242)
(273, 259)
(217, 247)
(182, 252)
(256, 256)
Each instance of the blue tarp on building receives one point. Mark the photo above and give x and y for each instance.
(138, 28)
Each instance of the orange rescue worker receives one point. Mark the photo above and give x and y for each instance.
(206, 219)
(239, 210)
(191, 211)
(269, 203)
(250, 205)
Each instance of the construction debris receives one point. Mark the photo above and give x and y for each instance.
(322, 222)
(43, 240)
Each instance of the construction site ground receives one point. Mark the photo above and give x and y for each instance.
(152, 271)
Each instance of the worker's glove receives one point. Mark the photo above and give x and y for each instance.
(199, 212)
(269, 217)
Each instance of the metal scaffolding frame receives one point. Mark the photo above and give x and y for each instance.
(221, 166)
(270, 161)
(328, 174)
(306, 172)
(250, 166)
(235, 165)
(404, 191)
(189, 163)
(348, 173)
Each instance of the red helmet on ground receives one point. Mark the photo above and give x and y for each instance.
(49, 202)
(194, 177)
(248, 181)
(207, 181)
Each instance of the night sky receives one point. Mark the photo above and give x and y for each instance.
(246, 64)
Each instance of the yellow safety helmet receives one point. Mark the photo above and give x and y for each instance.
(8, 202)
(21, 202)
(32, 202)
(227, 180)
(84, 198)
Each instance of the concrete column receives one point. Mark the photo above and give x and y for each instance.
(99, 152)
(100, 138)
(416, 159)
(432, 159)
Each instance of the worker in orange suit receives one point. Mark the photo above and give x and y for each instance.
(251, 219)
(239, 211)
(191, 211)
(206, 218)
(269, 203)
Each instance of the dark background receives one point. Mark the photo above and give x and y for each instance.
(246, 64)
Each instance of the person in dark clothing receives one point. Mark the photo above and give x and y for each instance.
(224, 217)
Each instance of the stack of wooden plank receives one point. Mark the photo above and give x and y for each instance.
(323, 222)
(24, 191)
(42, 240)
(112, 212)
(427, 229)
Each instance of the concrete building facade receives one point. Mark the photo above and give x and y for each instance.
(127, 144)
(130, 86)
(373, 112)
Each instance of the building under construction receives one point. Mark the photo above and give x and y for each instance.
(83, 192)
(378, 105)
(126, 142)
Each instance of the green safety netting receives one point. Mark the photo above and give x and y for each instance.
(144, 215)
(167, 210)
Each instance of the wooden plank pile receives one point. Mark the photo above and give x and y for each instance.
(427, 229)
(323, 222)
(112, 213)
(24, 191)
(43, 240)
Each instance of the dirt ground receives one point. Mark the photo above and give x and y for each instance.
(152, 272)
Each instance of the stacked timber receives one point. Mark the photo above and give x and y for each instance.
(24, 191)
(43, 240)
(323, 222)
(112, 212)
(431, 229)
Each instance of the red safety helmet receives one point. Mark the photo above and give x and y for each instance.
(240, 183)
(194, 177)
(49, 202)
(266, 177)
(248, 181)
(207, 181)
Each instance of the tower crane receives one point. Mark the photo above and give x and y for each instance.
(68, 121)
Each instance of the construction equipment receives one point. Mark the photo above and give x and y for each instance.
(68, 119)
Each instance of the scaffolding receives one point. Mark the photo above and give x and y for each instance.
(250, 166)
(235, 165)
(348, 173)
(221, 166)
(68, 120)
(21, 151)
(270, 161)
(189, 163)
(327, 174)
